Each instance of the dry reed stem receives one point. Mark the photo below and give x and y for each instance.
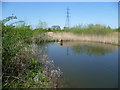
(108, 38)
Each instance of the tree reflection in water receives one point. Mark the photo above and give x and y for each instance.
(91, 48)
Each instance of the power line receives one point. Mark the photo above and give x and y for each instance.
(67, 23)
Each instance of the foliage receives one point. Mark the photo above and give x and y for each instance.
(91, 29)
(42, 25)
(118, 29)
(8, 19)
(19, 66)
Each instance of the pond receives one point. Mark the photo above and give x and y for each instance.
(86, 64)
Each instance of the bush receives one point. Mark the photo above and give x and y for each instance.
(19, 66)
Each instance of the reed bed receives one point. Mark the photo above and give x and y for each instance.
(111, 38)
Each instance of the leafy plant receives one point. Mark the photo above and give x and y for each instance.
(19, 66)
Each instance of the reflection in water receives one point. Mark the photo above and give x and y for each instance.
(61, 43)
(86, 64)
(90, 48)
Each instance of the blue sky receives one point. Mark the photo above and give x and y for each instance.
(54, 13)
(60, 0)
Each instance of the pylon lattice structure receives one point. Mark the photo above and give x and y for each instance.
(67, 23)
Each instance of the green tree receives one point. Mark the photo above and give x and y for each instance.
(42, 25)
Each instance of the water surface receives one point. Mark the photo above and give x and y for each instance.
(85, 64)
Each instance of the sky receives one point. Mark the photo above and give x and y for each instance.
(54, 13)
(60, 0)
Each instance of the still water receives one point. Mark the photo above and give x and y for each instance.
(85, 64)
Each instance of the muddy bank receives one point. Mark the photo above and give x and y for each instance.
(108, 38)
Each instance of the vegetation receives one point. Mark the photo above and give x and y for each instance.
(19, 65)
(96, 33)
(89, 29)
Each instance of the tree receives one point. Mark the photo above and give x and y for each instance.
(42, 25)
(56, 27)
(8, 19)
